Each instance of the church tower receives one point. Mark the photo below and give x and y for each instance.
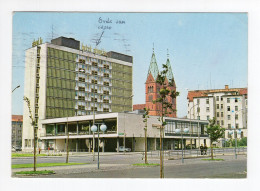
(152, 88)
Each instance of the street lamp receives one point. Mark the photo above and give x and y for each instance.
(15, 88)
(185, 130)
(94, 128)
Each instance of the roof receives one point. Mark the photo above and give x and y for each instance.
(138, 107)
(153, 68)
(169, 74)
(204, 93)
(17, 118)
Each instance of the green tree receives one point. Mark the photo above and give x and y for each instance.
(166, 107)
(215, 132)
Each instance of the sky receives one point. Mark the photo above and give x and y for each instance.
(206, 50)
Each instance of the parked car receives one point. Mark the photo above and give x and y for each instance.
(16, 148)
(122, 149)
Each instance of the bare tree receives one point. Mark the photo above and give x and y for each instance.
(27, 100)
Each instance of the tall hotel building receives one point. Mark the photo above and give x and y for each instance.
(62, 80)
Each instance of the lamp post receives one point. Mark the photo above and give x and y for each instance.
(15, 88)
(94, 128)
(238, 131)
(186, 130)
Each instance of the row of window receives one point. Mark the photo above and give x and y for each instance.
(221, 98)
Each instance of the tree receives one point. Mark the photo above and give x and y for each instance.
(166, 107)
(27, 100)
(145, 116)
(215, 132)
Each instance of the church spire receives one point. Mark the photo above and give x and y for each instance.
(169, 74)
(153, 68)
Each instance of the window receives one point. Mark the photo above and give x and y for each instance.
(106, 75)
(237, 125)
(221, 98)
(217, 98)
(105, 101)
(94, 90)
(198, 101)
(94, 64)
(222, 114)
(236, 116)
(94, 81)
(93, 99)
(207, 101)
(82, 61)
(198, 117)
(106, 110)
(218, 122)
(207, 117)
(217, 114)
(229, 126)
(207, 109)
(228, 117)
(217, 106)
(82, 89)
(221, 106)
(222, 122)
(95, 108)
(106, 66)
(82, 70)
(228, 108)
(106, 92)
(81, 107)
(228, 100)
(150, 98)
(94, 73)
(236, 108)
(81, 79)
(82, 98)
(106, 83)
(198, 109)
(236, 100)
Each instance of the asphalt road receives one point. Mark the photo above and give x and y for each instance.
(120, 166)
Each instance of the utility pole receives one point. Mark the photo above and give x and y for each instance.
(145, 116)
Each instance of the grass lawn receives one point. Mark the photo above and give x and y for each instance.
(26, 155)
(36, 172)
(44, 165)
(148, 164)
(214, 159)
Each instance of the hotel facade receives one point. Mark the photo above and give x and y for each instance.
(64, 80)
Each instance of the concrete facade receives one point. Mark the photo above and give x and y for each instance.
(228, 106)
(129, 131)
(63, 81)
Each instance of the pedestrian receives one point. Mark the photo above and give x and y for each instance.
(205, 149)
(39, 150)
(201, 149)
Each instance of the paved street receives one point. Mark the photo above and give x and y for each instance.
(120, 166)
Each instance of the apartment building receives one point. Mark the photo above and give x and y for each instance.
(64, 80)
(228, 106)
(17, 126)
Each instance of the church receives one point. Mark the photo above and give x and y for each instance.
(152, 89)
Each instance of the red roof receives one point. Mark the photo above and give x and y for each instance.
(204, 93)
(17, 118)
(138, 107)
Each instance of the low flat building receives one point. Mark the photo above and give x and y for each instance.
(122, 129)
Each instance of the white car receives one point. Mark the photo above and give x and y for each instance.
(122, 149)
